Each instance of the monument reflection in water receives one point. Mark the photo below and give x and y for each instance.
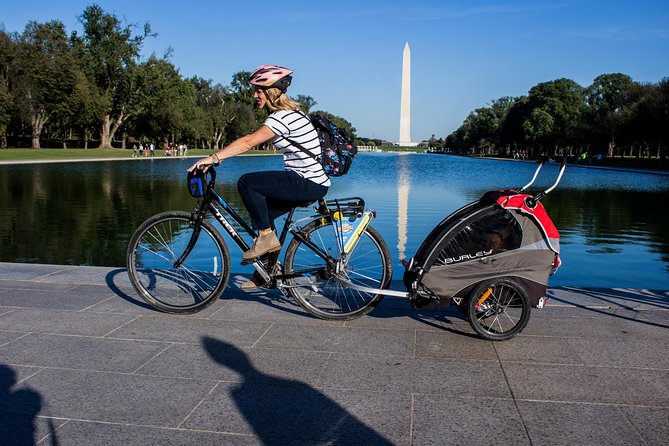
(613, 231)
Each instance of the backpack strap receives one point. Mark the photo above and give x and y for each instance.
(301, 147)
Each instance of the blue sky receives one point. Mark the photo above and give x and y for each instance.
(347, 55)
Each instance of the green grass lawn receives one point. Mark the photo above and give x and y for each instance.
(64, 154)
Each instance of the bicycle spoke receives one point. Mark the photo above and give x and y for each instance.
(153, 251)
(500, 308)
(366, 265)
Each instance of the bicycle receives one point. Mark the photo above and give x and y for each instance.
(178, 262)
(492, 258)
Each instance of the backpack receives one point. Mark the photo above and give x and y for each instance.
(337, 149)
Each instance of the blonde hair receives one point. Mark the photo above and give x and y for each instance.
(280, 101)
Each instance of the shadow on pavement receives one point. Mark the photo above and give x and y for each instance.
(109, 279)
(619, 300)
(271, 298)
(18, 411)
(281, 410)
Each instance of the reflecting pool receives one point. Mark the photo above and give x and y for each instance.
(614, 232)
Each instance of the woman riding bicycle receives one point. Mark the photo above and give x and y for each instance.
(267, 195)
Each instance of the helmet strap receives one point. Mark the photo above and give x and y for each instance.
(264, 91)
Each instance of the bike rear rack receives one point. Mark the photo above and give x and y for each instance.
(345, 206)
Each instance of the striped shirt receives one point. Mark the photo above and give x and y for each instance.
(295, 126)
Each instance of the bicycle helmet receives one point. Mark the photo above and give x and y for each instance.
(271, 76)
(197, 183)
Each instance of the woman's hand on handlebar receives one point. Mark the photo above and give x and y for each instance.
(204, 163)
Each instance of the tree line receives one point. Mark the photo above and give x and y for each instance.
(614, 117)
(95, 88)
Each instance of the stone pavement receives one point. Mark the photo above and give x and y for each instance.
(82, 362)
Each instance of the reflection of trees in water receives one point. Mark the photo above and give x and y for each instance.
(63, 215)
(610, 218)
(84, 213)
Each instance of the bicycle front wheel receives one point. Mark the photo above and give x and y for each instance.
(155, 247)
(313, 287)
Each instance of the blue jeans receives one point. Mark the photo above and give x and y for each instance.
(267, 195)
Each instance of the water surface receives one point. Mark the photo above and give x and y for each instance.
(614, 232)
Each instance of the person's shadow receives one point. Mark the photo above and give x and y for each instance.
(282, 411)
(18, 410)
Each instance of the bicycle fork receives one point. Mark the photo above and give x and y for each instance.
(195, 223)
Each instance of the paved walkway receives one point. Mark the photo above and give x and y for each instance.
(83, 362)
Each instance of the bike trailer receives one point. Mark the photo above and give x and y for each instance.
(505, 234)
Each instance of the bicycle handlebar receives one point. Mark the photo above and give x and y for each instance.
(212, 176)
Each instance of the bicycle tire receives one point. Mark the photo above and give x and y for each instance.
(498, 309)
(157, 244)
(369, 265)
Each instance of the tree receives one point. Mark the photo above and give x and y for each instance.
(511, 133)
(433, 143)
(661, 117)
(42, 75)
(7, 53)
(644, 117)
(563, 100)
(340, 122)
(244, 121)
(539, 127)
(605, 99)
(216, 110)
(241, 88)
(112, 54)
(482, 127)
(307, 102)
(242, 92)
(163, 99)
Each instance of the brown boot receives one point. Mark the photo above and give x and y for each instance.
(255, 282)
(248, 285)
(263, 245)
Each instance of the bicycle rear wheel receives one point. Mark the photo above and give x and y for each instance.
(315, 290)
(153, 251)
(498, 309)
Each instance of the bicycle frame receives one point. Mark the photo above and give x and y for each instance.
(213, 203)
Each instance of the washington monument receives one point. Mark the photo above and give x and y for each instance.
(405, 104)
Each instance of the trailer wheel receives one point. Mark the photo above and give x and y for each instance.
(498, 309)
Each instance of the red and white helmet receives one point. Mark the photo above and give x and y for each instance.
(271, 76)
